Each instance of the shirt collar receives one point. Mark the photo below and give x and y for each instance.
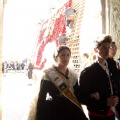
(104, 66)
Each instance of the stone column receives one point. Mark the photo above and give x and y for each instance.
(114, 21)
(103, 13)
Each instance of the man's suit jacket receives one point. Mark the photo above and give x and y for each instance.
(112, 63)
(95, 79)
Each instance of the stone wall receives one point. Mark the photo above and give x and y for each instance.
(74, 40)
(87, 26)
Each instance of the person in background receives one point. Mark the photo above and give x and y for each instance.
(22, 67)
(16, 64)
(112, 53)
(115, 70)
(118, 62)
(57, 83)
(84, 61)
(97, 88)
(30, 70)
(4, 68)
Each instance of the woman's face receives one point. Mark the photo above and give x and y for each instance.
(63, 57)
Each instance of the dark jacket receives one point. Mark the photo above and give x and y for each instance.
(95, 79)
(56, 107)
(116, 72)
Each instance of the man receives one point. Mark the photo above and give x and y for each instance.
(96, 85)
(115, 70)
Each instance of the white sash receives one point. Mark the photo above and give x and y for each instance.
(60, 82)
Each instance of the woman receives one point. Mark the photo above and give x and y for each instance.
(54, 102)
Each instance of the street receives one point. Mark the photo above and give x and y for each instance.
(17, 94)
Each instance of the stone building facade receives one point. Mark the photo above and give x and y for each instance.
(92, 20)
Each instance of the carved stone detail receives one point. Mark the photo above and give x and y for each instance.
(114, 8)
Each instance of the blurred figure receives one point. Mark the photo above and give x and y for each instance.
(112, 50)
(84, 61)
(30, 70)
(115, 70)
(15, 65)
(4, 68)
(118, 62)
(22, 66)
(112, 53)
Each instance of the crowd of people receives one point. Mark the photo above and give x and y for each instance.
(13, 66)
(62, 91)
(18, 67)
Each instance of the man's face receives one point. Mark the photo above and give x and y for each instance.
(103, 51)
(112, 50)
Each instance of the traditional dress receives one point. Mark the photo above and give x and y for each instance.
(52, 105)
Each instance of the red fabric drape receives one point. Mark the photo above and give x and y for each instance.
(41, 35)
(59, 27)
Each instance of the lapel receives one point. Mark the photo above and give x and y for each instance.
(99, 69)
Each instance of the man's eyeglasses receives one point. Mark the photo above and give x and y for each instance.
(113, 48)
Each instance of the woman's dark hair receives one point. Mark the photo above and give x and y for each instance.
(59, 49)
(103, 39)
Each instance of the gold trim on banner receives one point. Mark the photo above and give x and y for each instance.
(66, 92)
